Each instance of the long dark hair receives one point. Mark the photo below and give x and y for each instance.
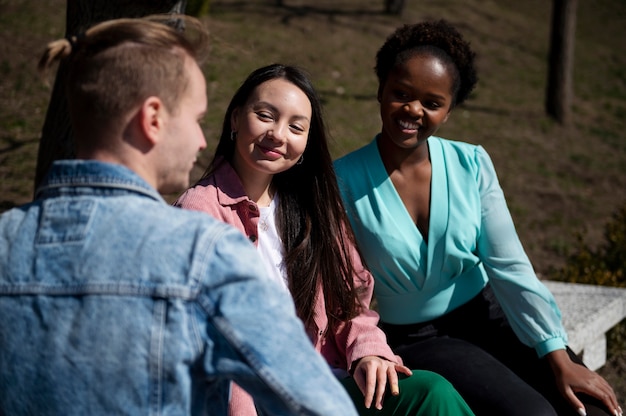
(310, 217)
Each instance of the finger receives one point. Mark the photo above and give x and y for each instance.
(602, 390)
(609, 398)
(574, 402)
(392, 379)
(370, 385)
(381, 385)
(361, 382)
(404, 370)
(613, 399)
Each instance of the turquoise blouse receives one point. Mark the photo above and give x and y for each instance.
(471, 240)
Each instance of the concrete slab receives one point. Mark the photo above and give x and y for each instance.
(589, 311)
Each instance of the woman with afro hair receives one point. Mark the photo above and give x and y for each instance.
(456, 292)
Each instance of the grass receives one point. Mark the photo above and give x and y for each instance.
(552, 194)
(558, 180)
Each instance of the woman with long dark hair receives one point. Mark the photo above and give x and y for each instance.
(272, 177)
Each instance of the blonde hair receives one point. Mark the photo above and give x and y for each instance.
(115, 65)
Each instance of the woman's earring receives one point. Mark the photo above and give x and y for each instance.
(299, 162)
(233, 135)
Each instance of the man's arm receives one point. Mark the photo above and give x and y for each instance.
(261, 343)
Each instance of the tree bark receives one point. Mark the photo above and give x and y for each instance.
(561, 60)
(56, 136)
(394, 6)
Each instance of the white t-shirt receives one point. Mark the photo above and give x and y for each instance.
(270, 246)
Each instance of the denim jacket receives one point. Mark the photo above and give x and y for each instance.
(114, 302)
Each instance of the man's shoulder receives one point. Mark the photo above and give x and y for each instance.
(158, 223)
(205, 227)
(17, 217)
(192, 219)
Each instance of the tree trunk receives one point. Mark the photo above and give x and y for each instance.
(561, 60)
(394, 6)
(56, 137)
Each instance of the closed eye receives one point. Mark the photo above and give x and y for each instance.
(297, 128)
(264, 115)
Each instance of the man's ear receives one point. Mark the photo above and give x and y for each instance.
(152, 115)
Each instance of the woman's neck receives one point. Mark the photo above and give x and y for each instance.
(396, 158)
(258, 185)
(263, 198)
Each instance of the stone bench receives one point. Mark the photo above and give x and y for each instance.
(589, 311)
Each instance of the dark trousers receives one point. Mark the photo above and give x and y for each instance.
(475, 348)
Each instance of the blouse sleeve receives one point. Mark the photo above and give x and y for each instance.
(527, 303)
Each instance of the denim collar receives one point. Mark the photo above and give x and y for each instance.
(90, 177)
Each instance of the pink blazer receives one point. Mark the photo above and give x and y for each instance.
(222, 196)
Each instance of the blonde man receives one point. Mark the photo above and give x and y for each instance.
(114, 302)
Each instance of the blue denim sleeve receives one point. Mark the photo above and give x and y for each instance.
(253, 336)
(527, 303)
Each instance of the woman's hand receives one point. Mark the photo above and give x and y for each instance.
(574, 378)
(372, 374)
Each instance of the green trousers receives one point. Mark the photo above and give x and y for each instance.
(424, 393)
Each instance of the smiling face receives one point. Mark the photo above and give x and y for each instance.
(272, 129)
(415, 100)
